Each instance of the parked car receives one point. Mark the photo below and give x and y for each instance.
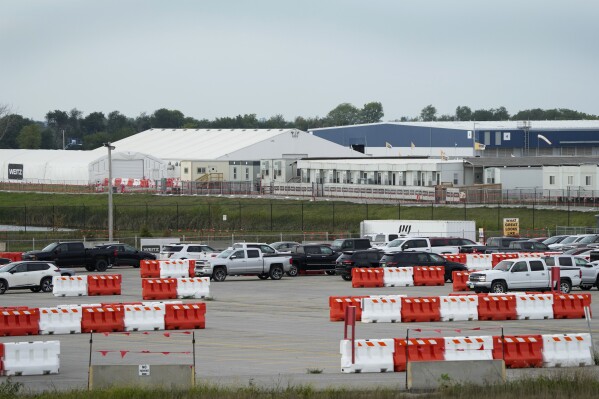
(590, 239)
(589, 271)
(33, 275)
(284, 246)
(524, 246)
(125, 255)
(4, 261)
(416, 258)
(244, 261)
(362, 258)
(581, 251)
(378, 240)
(350, 244)
(566, 242)
(200, 252)
(312, 257)
(439, 245)
(555, 239)
(263, 247)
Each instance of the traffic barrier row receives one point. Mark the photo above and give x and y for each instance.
(29, 358)
(74, 319)
(182, 268)
(105, 284)
(172, 288)
(13, 256)
(518, 351)
(397, 276)
(402, 309)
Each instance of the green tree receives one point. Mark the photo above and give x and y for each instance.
(116, 122)
(167, 119)
(463, 113)
(428, 114)
(343, 114)
(30, 137)
(372, 113)
(94, 123)
(95, 140)
(500, 114)
(11, 126)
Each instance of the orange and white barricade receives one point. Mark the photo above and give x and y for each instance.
(459, 307)
(469, 348)
(69, 285)
(383, 308)
(371, 355)
(398, 276)
(567, 350)
(534, 306)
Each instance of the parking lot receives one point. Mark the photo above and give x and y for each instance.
(261, 333)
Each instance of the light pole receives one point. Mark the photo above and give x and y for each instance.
(110, 220)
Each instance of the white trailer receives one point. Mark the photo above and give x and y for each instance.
(422, 228)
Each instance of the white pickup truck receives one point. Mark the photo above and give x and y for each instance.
(245, 262)
(438, 245)
(522, 274)
(590, 271)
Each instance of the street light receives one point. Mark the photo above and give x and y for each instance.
(110, 225)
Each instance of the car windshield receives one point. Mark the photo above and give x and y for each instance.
(6, 267)
(50, 247)
(437, 258)
(396, 243)
(504, 265)
(225, 253)
(553, 240)
(337, 244)
(172, 248)
(587, 239)
(570, 239)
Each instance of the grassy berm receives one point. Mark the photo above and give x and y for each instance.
(562, 384)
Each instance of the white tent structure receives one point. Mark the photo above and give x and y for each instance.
(176, 145)
(76, 167)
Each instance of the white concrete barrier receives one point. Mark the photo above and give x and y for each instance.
(534, 306)
(147, 317)
(371, 355)
(174, 268)
(469, 348)
(31, 358)
(69, 286)
(383, 308)
(459, 307)
(196, 287)
(567, 350)
(398, 276)
(61, 320)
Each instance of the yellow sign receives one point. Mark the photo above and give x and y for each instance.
(511, 227)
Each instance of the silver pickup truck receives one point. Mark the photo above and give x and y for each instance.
(523, 274)
(245, 262)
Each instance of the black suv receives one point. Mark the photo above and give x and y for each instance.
(350, 259)
(350, 244)
(414, 258)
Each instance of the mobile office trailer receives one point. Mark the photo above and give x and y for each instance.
(422, 228)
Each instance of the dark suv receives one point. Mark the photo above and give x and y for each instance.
(350, 244)
(350, 259)
(414, 258)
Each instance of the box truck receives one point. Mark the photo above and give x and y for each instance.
(421, 228)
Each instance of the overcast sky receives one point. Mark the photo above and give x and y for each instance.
(223, 58)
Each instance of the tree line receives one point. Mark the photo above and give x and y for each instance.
(74, 130)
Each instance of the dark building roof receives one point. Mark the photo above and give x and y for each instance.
(530, 161)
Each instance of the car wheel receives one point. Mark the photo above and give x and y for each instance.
(3, 286)
(586, 287)
(565, 286)
(498, 287)
(90, 268)
(36, 289)
(101, 265)
(276, 272)
(346, 277)
(263, 276)
(46, 284)
(219, 274)
(293, 271)
(330, 272)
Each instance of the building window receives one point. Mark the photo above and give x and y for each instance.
(455, 178)
(201, 170)
(551, 180)
(570, 180)
(587, 180)
(247, 173)
(185, 170)
(497, 138)
(487, 136)
(234, 173)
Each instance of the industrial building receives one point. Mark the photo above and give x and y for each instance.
(464, 139)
